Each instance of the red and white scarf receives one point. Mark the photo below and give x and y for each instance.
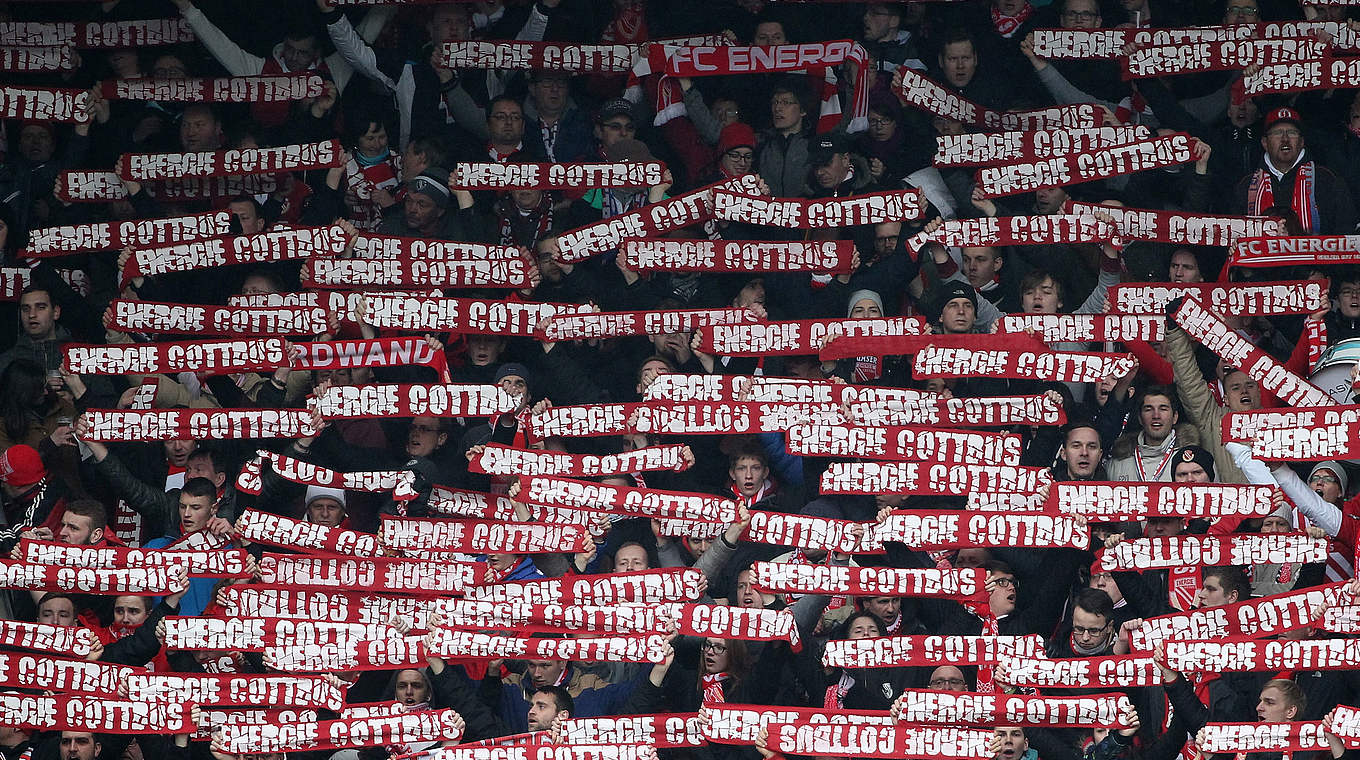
(1261, 195)
(713, 686)
(1007, 25)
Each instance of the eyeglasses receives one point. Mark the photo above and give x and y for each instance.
(718, 648)
(1005, 582)
(940, 683)
(1082, 630)
(1324, 477)
(1082, 15)
(880, 122)
(744, 157)
(886, 239)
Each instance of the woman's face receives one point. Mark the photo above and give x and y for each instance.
(374, 141)
(865, 308)
(862, 628)
(715, 656)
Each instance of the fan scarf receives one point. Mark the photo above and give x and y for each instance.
(1007, 25)
(1261, 195)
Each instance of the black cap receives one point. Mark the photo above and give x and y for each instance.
(1194, 454)
(948, 292)
(827, 146)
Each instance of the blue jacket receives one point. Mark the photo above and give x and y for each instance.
(200, 589)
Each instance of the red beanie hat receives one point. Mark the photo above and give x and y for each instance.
(736, 135)
(21, 466)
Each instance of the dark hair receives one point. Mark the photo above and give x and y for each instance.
(503, 99)
(561, 698)
(215, 457)
(1231, 578)
(739, 663)
(1158, 390)
(432, 147)
(750, 449)
(1078, 425)
(1034, 277)
(843, 630)
(49, 596)
(1095, 602)
(200, 487)
(259, 211)
(958, 34)
(23, 384)
(99, 517)
(36, 287)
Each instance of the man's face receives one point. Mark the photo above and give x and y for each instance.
(1325, 484)
(1089, 630)
(1158, 418)
(411, 688)
(58, 611)
(194, 512)
(1211, 593)
(76, 530)
(515, 386)
(413, 163)
(1042, 298)
(630, 558)
(1244, 113)
(1002, 599)
(1274, 524)
(1163, 527)
(972, 557)
(199, 130)
(981, 266)
(1241, 12)
(1082, 452)
(959, 63)
(1049, 200)
(1274, 707)
(1010, 7)
(255, 285)
(550, 94)
(618, 127)
(36, 144)
(747, 595)
(39, 315)
(1241, 393)
(958, 315)
(1348, 300)
(752, 292)
(739, 160)
(129, 611)
(1105, 582)
(769, 33)
(300, 54)
(421, 211)
(1283, 142)
(325, 511)
(879, 23)
(1185, 268)
(249, 218)
(649, 372)
(78, 745)
(885, 237)
(505, 123)
(202, 467)
(887, 608)
(484, 349)
(786, 111)
(545, 672)
(449, 24)
(424, 437)
(948, 678)
(1013, 742)
(833, 172)
(881, 126)
(1190, 472)
(748, 475)
(177, 452)
(542, 711)
(1081, 14)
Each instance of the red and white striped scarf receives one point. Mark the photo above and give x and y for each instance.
(713, 686)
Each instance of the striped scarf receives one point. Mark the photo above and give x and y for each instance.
(1261, 195)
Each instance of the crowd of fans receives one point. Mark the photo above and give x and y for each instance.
(405, 122)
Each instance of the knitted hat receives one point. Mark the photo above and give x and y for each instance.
(1336, 469)
(434, 182)
(863, 295)
(1196, 455)
(948, 292)
(21, 466)
(736, 135)
(322, 492)
(513, 369)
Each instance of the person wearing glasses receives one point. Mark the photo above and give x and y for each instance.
(1289, 178)
(1082, 81)
(1092, 629)
(782, 158)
